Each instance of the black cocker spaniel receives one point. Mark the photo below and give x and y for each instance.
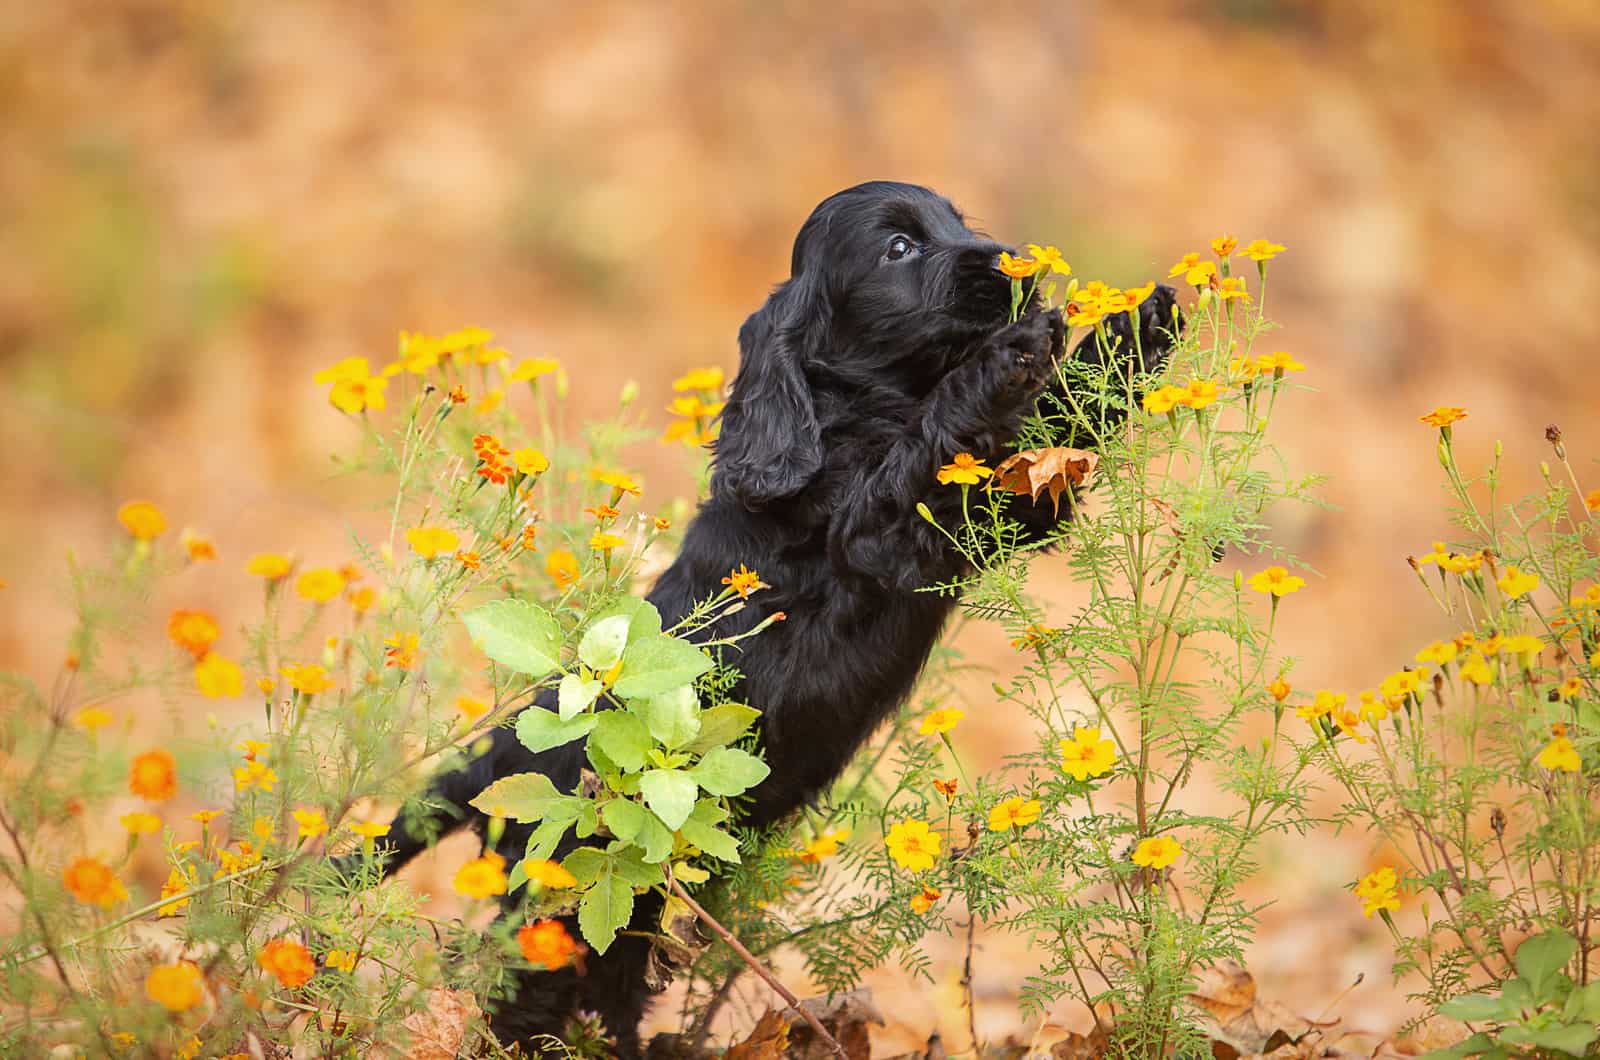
(886, 352)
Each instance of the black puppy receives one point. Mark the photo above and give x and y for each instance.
(887, 352)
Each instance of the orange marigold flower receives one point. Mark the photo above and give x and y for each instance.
(744, 581)
(964, 469)
(431, 541)
(470, 560)
(154, 776)
(93, 883)
(547, 944)
(603, 512)
(458, 395)
(482, 877)
(562, 567)
(1444, 416)
(217, 677)
(175, 987)
(143, 520)
(1280, 688)
(269, 565)
(1017, 268)
(288, 962)
(198, 547)
(947, 788)
(401, 651)
(924, 901)
(193, 631)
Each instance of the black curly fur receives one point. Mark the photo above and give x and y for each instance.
(862, 374)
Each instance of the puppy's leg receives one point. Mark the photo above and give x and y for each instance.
(976, 409)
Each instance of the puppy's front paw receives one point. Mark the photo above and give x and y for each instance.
(1160, 324)
(1028, 349)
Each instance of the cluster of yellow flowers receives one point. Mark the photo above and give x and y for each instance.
(353, 388)
(696, 407)
(1379, 892)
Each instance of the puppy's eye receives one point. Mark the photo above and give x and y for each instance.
(899, 247)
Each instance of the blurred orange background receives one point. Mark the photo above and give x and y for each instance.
(202, 203)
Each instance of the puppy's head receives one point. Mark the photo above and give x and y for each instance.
(886, 281)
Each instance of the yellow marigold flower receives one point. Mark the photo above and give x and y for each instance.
(663, 525)
(469, 560)
(143, 520)
(1439, 653)
(1402, 683)
(1517, 582)
(1199, 393)
(340, 960)
(353, 386)
(140, 823)
(744, 581)
(361, 600)
(175, 987)
(549, 874)
(1195, 273)
(1278, 362)
(1560, 756)
(1280, 688)
(1034, 637)
(1014, 812)
(942, 720)
(1017, 268)
(1372, 709)
(288, 962)
(1049, 258)
(154, 776)
(1232, 287)
(431, 541)
(530, 461)
(1477, 670)
(1461, 564)
(1262, 250)
(1444, 416)
(1277, 581)
(823, 846)
(180, 879)
(532, 368)
(947, 788)
(600, 541)
(263, 828)
(699, 379)
(307, 678)
(254, 774)
(400, 651)
(217, 677)
(923, 902)
(1525, 645)
(912, 845)
(319, 585)
(562, 567)
(1163, 399)
(1133, 297)
(489, 402)
(471, 709)
(964, 469)
(1086, 755)
(205, 817)
(1377, 891)
(310, 824)
(1570, 688)
(92, 882)
(1223, 245)
(269, 565)
(1322, 706)
(619, 482)
(1157, 852)
(197, 546)
(246, 856)
(481, 877)
(1591, 500)
(546, 943)
(1346, 720)
(369, 830)
(91, 718)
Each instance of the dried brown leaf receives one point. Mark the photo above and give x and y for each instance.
(1056, 470)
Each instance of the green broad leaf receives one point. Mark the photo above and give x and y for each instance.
(670, 793)
(544, 840)
(1565, 1038)
(1477, 1044)
(540, 729)
(587, 822)
(624, 817)
(605, 909)
(711, 839)
(521, 797)
(622, 738)
(601, 647)
(1478, 1007)
(518, 877)
(643, 619)
(656, 665)
(575, 694)
(517, 634)
(632, 866)
(729, 771)
(1539, 958)
(586, 864)
(1583, 1004)
(721, 725)
(673, 717)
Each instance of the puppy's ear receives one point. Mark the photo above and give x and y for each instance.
(770, 445)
